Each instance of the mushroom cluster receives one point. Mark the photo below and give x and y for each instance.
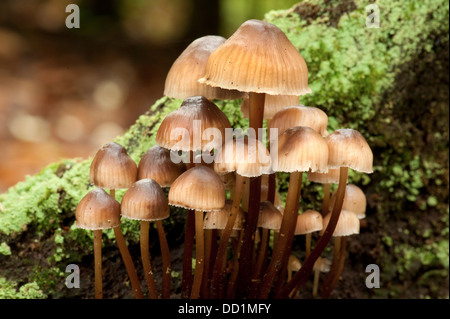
(227, 182)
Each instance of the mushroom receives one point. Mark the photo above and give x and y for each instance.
(300, 149)
(97, 211)
(348, 149)
(145, 201)
(248, 158)
(259, 59)
(112, 168)
(182, 130)
(354, 200)
(308, 222)
(321, 265)
(199, 189)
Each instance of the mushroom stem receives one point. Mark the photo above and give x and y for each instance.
(256, 114)
(218, 271)
(316, 282)
(308, 244)
(336, 269)
(145, 255)
(235, 271)
(112, 193)
(98, 263)
(326, 198)
(166, 263)
(135, 285)
(303, 274)
(262, 256)
(287, 228)
(199, 255)
(207, 270)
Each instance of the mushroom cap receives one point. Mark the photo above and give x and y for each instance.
(272, 104)
(247, 157)
(348, 148)
(300, 149)
(294, 263)
(182, 78)
(188, 128)
(308, 222)
(269, 216)
(300, 115)
(97, 210)
(258, 57)
(322, 264)
(157, 164)
(145, 200)
(348, 224)
(331, 177)
(218, 219)
(354, 200)
(199, 188)
(112, 167)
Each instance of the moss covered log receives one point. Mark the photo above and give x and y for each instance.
(390, 83)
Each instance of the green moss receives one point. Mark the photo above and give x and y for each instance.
(8, 290)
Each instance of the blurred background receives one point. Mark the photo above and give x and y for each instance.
(65, 92)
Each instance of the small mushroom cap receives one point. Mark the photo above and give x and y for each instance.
(348, 148)
(301, 115)
(272, 104)
(97, 210)
(322, 264)
(294, 263)
(269, 216)
(247, 157)
(348, 224)
(145, 200)
(308, 222)
(300, 149)
(354, 200)
(218, 219)
(157, 164)
(331, 177)
(199, 188)
(112, 167)
(182, 78)
(198, 124)
(258, 57)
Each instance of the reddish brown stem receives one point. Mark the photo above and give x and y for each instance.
(146, 263)
(287, 228)
(337, 267)
(199, 255)
(262, 256)
(98, 263)
(303, 274)
(166, 263)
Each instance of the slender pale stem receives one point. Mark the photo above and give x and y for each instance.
(98, 263)
(166, 261)
(199, 255)
(135, 285)
(145, 256)
(286, 234)
(316, 282)
(218, 272)
(302, 275)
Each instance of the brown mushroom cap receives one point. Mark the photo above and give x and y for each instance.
(348, 224)
(354, 200)
(258, 57)
(269, 216)
(272, 104)
(308, 222)
(145, 200)
(97, 210)
(199, 188)
(348, 148)
(247, 157)
(294, 263)
(300, 115)
(112, 167)
(182, 78)
(218, 219)
(188, 124)
(300, 149)
(157, 165)
(322, 264)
